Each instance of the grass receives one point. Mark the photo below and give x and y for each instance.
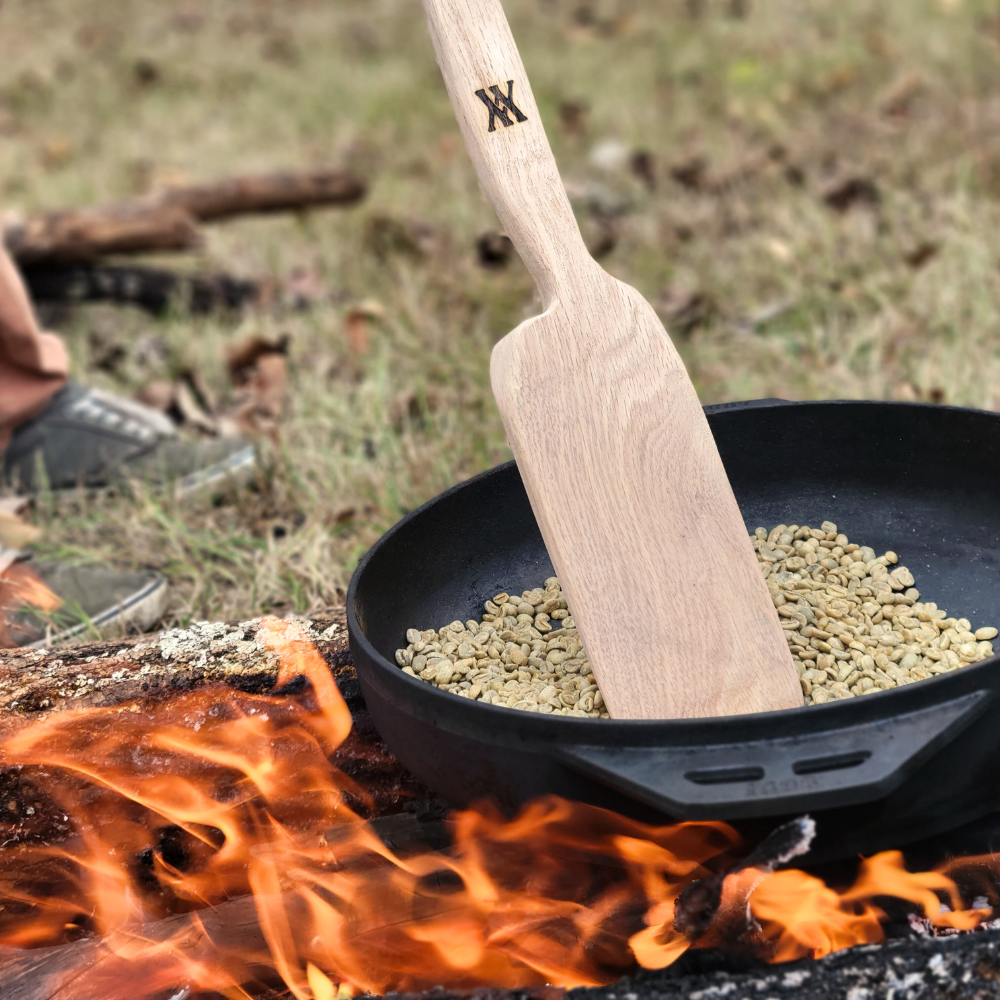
(767, 290)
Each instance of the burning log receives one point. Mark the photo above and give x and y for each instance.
(169, 221)
(212, 786)
(696, 907)
(135, 672)
(44, 973)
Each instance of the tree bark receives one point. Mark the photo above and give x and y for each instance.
(37, 682)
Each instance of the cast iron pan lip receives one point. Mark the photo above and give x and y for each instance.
(499, 724)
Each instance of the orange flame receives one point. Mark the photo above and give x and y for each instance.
(21, 588)
(213, 847)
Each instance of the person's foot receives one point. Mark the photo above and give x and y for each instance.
(43, 602)
(85, 437)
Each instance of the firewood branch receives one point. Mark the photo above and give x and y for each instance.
(170, 220)
(280, 192)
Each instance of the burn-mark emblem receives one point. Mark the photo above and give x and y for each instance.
(500, 105)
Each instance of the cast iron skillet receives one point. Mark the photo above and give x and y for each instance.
(875, 772)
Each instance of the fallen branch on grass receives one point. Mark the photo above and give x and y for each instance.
(62, 237)
(169, 220)
(280, 192)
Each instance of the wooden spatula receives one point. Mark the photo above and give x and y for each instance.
(611, 442)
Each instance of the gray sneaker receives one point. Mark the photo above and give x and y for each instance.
(44, 602)
(85, 437)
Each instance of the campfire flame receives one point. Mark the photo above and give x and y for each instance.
(20, 588)
(215, 847)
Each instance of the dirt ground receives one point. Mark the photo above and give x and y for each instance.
(807, 190)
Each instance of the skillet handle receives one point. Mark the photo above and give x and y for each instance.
(820, 770)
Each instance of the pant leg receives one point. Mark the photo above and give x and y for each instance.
(33, 364)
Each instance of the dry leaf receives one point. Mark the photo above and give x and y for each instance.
(56, 152)
(242, 357)
(846, 192)
(357, 322)
(259, 368)
(15, 533)
(573, 116)
(921, 254)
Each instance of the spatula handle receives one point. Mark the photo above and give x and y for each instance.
(499, 119)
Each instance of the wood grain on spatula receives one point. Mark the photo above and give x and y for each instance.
(611, 442)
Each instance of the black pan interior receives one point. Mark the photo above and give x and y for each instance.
(921, 480)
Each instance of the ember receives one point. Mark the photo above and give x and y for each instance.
(214, 847)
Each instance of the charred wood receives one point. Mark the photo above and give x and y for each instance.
(964, 966)
(152, 289)
(49, 973)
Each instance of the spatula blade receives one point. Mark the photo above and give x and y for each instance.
(636, 511)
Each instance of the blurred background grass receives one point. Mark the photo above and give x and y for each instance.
(807, 190)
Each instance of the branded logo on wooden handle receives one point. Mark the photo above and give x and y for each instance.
(500, 104)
